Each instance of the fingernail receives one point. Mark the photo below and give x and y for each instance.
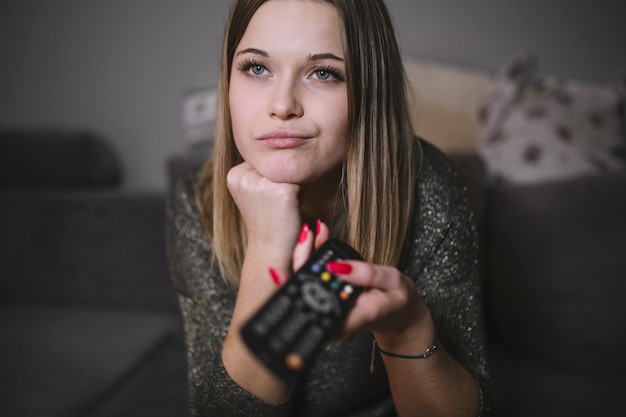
(275, 276)
(304, 232)
(339, 268)
(318, 226)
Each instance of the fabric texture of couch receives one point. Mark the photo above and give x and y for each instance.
(555, 279)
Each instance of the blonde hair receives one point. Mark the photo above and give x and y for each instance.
(381, 161)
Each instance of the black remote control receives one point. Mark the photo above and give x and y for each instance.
(288, 331)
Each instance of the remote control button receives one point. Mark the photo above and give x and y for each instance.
(294, 361)
(326, 322)
(326, 276)
(273, 314)
(277, 345)
(309, 342)
(261, 327)
(316, 268)
(304, 276)
(291, 289)
(318, 298)
(293, 325)
(346, 292)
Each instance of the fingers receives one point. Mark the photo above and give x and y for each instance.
(390, 301)
(322, 233)
(278, 277)
(303, 248)
(236, 175)
(367, 275)
(245, 181)
(307, 241)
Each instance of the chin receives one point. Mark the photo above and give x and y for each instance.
(279, 171)
(282, 177)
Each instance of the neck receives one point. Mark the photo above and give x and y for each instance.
(321, 200)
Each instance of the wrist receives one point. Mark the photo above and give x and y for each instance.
(413, 339)
(261, 255)
(430, 350)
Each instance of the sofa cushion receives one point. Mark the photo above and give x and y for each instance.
(157, 390)
(93, 247)
(536, 129)
(556, 271)
(65, 361)
(45, 157)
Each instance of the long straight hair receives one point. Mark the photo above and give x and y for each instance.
(382, 155)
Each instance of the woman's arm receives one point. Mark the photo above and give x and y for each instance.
(392, 308)
(207, 304)
(439, 296)
(271, 215)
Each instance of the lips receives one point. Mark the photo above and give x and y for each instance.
(283, 139)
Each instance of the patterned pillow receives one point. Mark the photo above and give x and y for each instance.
(541, 129)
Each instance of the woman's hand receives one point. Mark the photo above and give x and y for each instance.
(393, 310)
(269, 211)
(390, 307)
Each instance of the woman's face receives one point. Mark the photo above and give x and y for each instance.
(288, 95)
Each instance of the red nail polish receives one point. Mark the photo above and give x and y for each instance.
(275, 276)
(304, 232)
(339, 268)
(318, 226)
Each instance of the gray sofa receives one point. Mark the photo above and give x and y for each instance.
(89, 321)
(553, 259)
(90, 324)
(556, 276)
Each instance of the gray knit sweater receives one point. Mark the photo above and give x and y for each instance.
(441, 258)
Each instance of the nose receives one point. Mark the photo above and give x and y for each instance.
(285, 101)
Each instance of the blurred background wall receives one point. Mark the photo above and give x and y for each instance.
(122, 68)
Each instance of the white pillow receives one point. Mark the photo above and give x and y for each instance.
(444, 101)
(544, 129)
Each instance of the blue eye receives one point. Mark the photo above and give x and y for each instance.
(323, 74)
(257, 69)
(252, 67)
(328, 74)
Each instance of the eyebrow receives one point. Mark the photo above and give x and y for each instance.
(320, 57)
(310, 57)
(253, 51)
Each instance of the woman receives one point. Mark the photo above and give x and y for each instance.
(313, 140)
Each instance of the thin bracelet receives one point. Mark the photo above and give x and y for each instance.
(426, 354)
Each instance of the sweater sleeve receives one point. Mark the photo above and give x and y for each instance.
(206, 303)
(444, 265)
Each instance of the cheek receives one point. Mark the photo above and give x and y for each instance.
(239, 112)
(234, 104)
(337, 121)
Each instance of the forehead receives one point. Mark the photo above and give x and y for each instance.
(295, 25)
